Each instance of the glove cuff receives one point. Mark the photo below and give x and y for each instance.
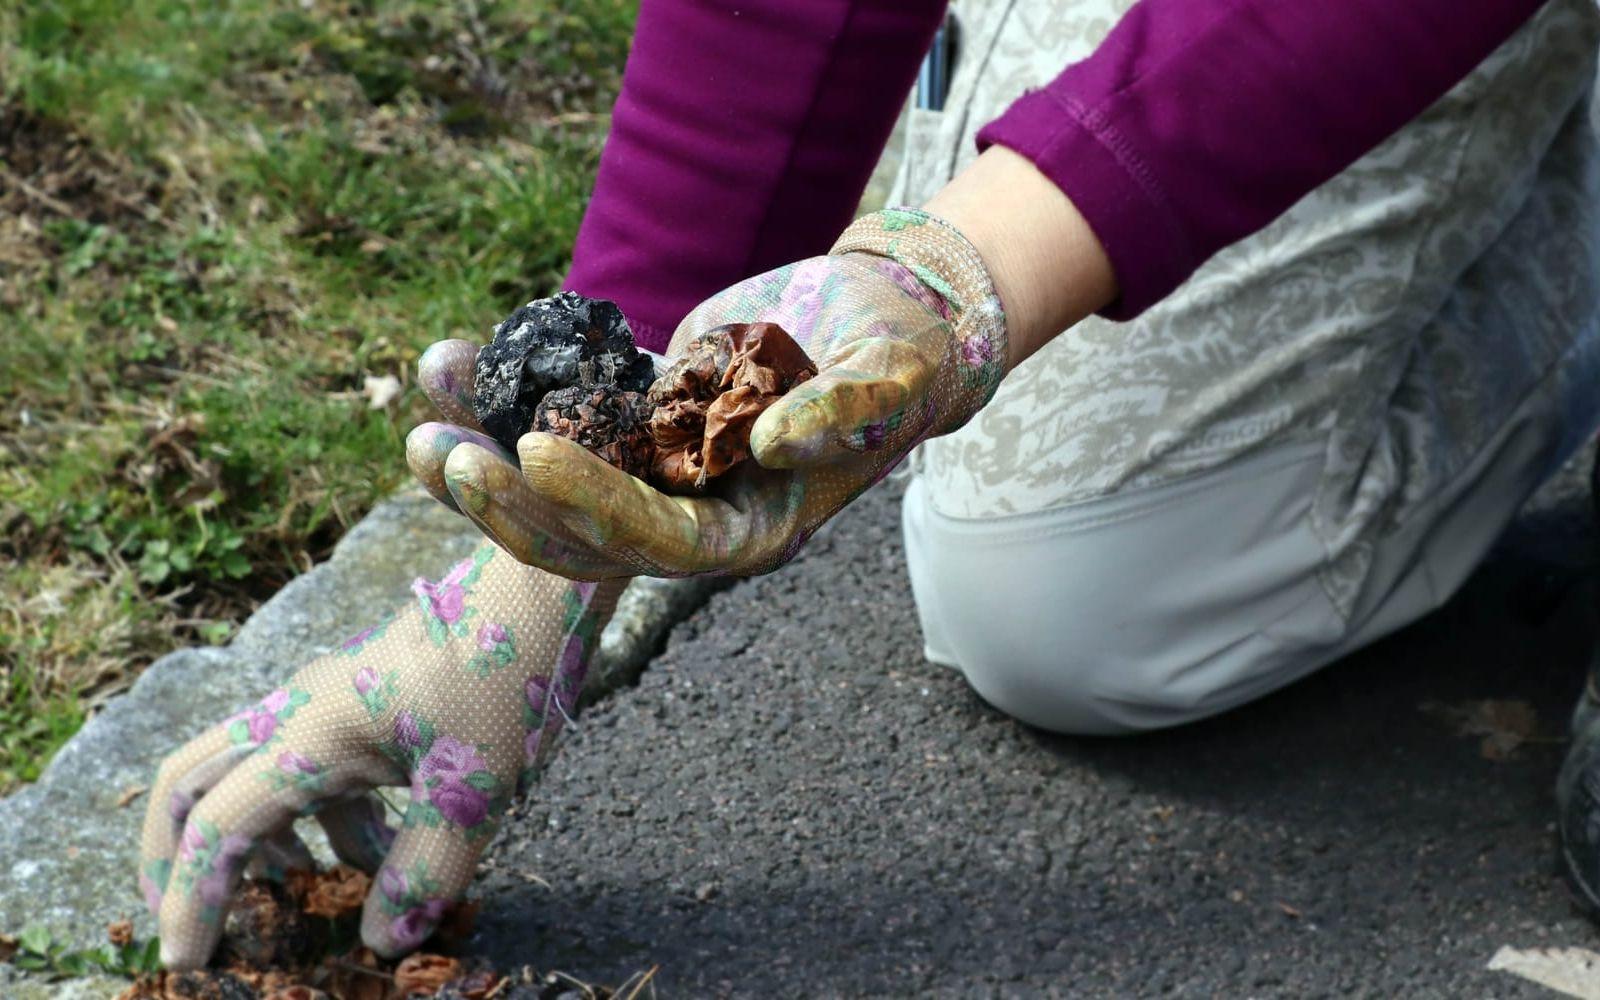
(943, 260)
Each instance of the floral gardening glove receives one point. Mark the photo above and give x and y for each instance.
(909, 338)
(458, 696)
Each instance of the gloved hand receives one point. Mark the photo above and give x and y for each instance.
(458, 695)
(909, 338)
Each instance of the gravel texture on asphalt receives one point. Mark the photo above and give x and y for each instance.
(793, 802)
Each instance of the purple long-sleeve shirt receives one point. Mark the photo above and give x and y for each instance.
(746, 129)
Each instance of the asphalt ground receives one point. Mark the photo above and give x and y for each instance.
(793, 802)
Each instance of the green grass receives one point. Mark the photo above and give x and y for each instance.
(216, 222)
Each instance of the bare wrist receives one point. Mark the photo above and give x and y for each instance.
(1046, 264)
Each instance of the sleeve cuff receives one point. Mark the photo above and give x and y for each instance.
(1109, 185)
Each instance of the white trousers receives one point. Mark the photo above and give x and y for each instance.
(1164, 605)
(1309, 445)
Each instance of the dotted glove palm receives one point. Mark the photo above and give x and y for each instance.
(908, 335)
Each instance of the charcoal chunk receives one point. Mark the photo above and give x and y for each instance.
(550, 344)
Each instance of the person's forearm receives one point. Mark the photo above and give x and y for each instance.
(1197, 122)
(1047, 266)
(742, 139)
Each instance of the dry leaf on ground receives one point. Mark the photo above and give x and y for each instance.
(129, 794)
(1504, 724)
(380, 390)
(1574, 972)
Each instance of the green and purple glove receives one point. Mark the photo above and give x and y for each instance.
(909, 338)
(455, 697)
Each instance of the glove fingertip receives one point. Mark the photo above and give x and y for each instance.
(446, 372)
(785, 436)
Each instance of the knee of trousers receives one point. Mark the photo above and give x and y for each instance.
(1132, 612)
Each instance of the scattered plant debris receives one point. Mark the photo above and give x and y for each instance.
(298, 940)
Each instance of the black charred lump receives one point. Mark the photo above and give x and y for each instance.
(554, 343)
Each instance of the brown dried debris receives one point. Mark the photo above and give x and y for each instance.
(267, 928)
(709, 399)
(483, 984)
(234, 983)
(422, 974)
(609, 421)
(335, 893)
(299, 991)
(271, 967)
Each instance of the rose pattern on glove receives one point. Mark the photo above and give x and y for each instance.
(356, 643)
(496, 649)
(257, 725)
(549, 701)
(207, 865)
(443, 381)
(980, 357)
(293, 769)
(411, 901)
(412, 738)
(536, 692)
(981, 365)
(444, 604)
(914, 289)
(178, 804)
(451, 782)
(549, 706)
(153, 877)
(871, 436)
(376, 691)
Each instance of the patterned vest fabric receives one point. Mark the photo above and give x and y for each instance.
(1397, 315)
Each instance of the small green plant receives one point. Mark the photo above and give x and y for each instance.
(39, 951)
(32, 730)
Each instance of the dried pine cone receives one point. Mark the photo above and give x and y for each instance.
(609, 421)
(706, 403)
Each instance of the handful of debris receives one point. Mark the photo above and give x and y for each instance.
(567, 365)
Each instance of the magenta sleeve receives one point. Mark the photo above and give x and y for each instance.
(744, 135)
(1197, 122)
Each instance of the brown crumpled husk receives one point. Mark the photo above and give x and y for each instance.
(709, 399)
(337, 892)
(422, 974)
